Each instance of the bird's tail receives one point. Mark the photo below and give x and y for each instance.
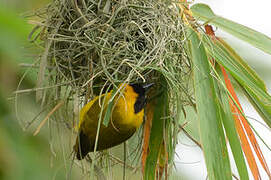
(82, 146)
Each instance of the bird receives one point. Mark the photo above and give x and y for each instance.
(126, 117)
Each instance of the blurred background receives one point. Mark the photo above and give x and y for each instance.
(24, 156)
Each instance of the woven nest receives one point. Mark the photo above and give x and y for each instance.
(91, 45)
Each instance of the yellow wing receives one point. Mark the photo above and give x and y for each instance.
(89, 105)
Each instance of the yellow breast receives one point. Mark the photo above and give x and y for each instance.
(123, 114)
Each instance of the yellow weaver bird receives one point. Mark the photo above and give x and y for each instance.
(126, 117)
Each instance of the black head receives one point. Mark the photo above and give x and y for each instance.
(141, 99)
(138, 88)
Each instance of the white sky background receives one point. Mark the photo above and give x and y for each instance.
(256, 15)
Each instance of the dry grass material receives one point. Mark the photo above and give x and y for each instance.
(92, 43)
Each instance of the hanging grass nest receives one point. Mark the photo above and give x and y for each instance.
(93, 43)
(90, 45)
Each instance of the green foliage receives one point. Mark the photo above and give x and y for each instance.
(244, 75)
(210, 122)
(229, 126)
(251, 84)
(156, 136)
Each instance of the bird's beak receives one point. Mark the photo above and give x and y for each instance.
(147, 86)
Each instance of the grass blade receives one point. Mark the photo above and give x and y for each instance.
(262, 107)
(156, 136)
(244, 67)
(231, 132)
(231, 61)
(109, 109)
(146, 135)
(211, 130)
(255, 90)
